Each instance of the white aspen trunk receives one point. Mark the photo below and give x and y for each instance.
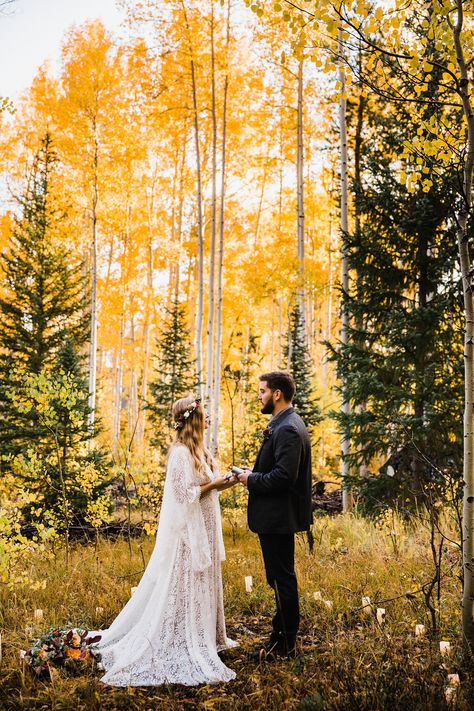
(172, 263)
(328, 325)
(180, 214)
(262, 194)
(144, 387)
(280, 335)
(466, 271)
(132, 409)
(133, 392)
(147, 325)
(347, 501)
(212, 256)
(300, 198)
(220, 268)
(289, 337)
(93, 335)
(200, 255)
(363, 467)
(118, 389)
(272, 335)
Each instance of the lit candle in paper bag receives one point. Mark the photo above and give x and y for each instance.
(444, 648)
(366, 606)
(450, 694)
(248, 583)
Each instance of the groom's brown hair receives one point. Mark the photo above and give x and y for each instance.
(280, 380)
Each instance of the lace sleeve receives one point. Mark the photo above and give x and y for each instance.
(184, 491)
(187, 505)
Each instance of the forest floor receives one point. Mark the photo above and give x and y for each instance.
(346, 659)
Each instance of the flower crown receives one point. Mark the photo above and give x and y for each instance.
(181, 420)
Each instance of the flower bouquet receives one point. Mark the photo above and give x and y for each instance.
(66, 648)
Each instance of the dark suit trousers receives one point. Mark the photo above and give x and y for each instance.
(279, 557)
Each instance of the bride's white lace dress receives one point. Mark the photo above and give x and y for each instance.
(173, 625)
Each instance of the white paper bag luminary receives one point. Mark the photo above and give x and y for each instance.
(450, 693)
(248, 583)
(366, 606)
(381, 615)
(444, 648)
(453, 680)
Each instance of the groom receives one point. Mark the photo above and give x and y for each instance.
(279, 503)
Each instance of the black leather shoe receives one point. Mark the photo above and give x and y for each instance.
(266, 653)
(271, 652)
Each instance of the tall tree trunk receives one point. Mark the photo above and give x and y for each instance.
(177, 275)
(147, 322)
(133, 393)
(217, 364)
(118, 387)
(347, 502)
(466, 271)
(93, 335)
(200, 236)
(172, 262)
(280, 334)
(357, 217)
(272, 335)
(212, 256)
(262, 194)
(300, 199)
(329, 304)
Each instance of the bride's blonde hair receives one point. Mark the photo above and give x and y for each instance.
(190, 432)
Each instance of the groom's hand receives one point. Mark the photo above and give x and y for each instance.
(243, 477)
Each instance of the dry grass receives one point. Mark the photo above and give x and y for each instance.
(347, 661)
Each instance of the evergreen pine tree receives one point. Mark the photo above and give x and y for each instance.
(71, 470)
(402, 368)
(300, 367)
(174, 372)
(42, 300)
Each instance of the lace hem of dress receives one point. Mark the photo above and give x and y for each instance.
(165, 671)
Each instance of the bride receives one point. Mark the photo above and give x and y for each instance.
(172, 628)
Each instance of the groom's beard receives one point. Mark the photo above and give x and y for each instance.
(268, 408)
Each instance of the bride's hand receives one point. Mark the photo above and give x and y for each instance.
(224, 482)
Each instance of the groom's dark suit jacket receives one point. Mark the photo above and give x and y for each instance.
(280, 484)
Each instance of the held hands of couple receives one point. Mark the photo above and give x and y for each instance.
(244, 475)
(241, 474)
(224, 482)
(232, 478)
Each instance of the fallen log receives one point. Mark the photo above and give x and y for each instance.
(86, 532)
(328, 502)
